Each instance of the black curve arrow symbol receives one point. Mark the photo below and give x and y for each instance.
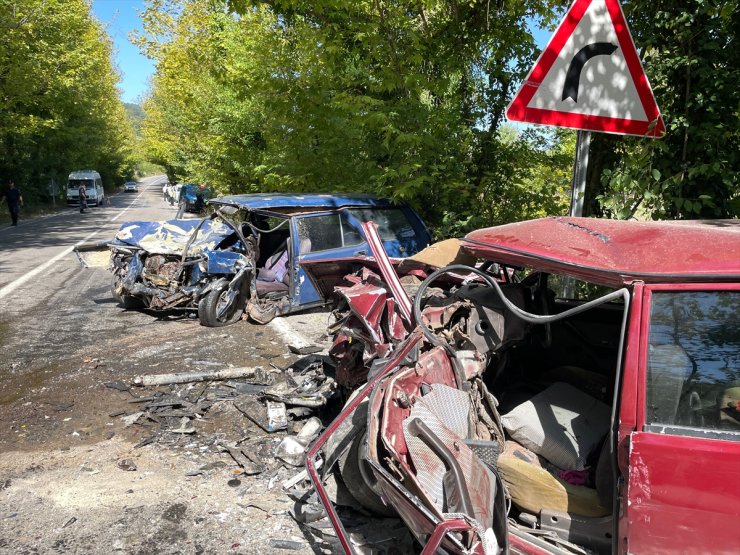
(573, 77)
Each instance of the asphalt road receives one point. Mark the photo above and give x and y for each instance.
(31, 247)
(62, 338)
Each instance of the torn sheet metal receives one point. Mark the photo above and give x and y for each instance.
(172, 236)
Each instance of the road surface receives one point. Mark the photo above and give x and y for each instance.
(62, 337)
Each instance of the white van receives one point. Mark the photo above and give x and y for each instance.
(93, 187)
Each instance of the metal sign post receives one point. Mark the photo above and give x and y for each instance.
(580, 169)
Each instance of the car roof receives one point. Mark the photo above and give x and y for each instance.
(82, 174)
(267, 201)
(616, 252)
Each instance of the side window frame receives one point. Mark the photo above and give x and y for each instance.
(342, 221)
(644, 348)
(345, 220)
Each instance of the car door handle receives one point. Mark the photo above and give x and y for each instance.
(360, 253)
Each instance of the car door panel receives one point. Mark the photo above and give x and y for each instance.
(683, 478)
(683, 494)
(321, 236)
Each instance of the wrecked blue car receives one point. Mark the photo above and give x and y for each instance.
(246, 255)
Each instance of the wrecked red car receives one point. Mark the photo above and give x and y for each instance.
(573, 388)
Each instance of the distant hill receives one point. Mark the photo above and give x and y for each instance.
(136, 115)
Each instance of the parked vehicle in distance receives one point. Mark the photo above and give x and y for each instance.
(584, 371)
(130, 187)
(246, 254)
(93, 187)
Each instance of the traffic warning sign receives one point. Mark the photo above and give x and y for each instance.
(590, 77)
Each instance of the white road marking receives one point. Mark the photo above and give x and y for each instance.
(289, 335)
(13, 285)
(122, 212)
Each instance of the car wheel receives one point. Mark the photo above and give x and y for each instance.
(211, 304)
(126, 301)
(355, 474)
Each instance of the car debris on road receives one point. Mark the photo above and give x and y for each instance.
(488, 388)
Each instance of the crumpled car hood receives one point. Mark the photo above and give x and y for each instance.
(171, 236)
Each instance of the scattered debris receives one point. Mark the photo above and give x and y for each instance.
(245, 461)
(292, 449)
(270, 416)
(286, 544)
(119, 385)
(256, 374)
(127, 465)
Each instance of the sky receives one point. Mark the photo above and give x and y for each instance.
(120, 17)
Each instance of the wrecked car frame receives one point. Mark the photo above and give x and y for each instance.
(244, 256)
(513, 418)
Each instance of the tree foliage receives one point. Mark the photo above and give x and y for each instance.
(403, 99)
(689, 50)
(59, 107)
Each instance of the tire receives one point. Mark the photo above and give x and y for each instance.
(125, 301)
(210, 304)
(353, 477)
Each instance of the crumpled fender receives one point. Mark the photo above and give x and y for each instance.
(215, 284)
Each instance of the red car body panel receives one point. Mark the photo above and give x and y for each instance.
(684, 495)
(614, 251)
(675, 493)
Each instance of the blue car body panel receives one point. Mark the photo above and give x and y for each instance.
(193, 191)
(171, 236)
(225, 262)
(223, 255)
(311, 201)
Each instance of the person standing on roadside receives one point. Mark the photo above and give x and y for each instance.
(181, 202)
(14, 198)
(83, 197)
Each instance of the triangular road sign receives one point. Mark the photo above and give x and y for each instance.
(590, 77)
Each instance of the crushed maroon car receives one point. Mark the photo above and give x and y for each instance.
(561, 385)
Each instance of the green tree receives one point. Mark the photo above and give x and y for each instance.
(59, 107)
(690, 54)
(404, 100)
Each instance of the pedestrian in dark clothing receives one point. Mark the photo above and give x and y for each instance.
(83, 198)
(14, 198)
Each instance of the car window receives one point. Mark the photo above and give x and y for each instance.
(392, 223)
(350, 235)
(693, 365)
(319, 233)
(573, 289)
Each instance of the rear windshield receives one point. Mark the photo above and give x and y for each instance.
(75, 183)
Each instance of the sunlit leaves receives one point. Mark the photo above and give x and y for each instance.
(59, 107)
(689, 52)
(399, 99)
